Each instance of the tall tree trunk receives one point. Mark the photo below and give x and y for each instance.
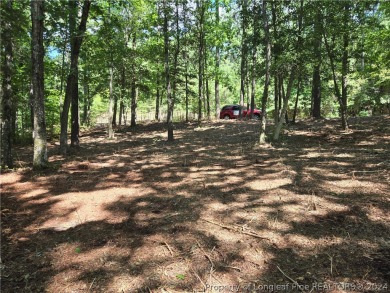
(40, 149)
(243, 69)
(123, 91)
(217, 65)
(343, 112)
(176, 55)
(208, 99)
(286, 97)
(111, 103)
(206, 85)
(158, 106)
(134, 85)
(85, 96)
(114, 114)
(300, 60)
(72, 80)
(344, 70)
(276, 97)
(316, 87)
(267, 46)
(133, 120)
(256, 36)
(187, 94)
(64, 51)
(7, 121)
(75, 128)
(167, 73)
(200, 58)
(276, 55)
(296, 101)
(121, 110)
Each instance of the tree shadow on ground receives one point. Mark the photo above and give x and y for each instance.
(140, 214)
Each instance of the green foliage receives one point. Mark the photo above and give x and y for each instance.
(128, 36)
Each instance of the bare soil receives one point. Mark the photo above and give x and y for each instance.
(209, 212)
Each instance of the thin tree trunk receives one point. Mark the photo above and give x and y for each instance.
(72, 80)
(134, 85)
(176, 56)
(243, 70)
(75, 128)
(40, 148)
(267, 45)
(200, 60)
(344, 121)
(158, 111)
(256, 36)
(86, 98)
(207, 89)
(114, 114)
(111, 103)
(7, 121)
(208, 99)
(316, 88)
(122, 98)
(62, 69)
(276, 98)
(133, 121)
(344, 70)
(286, 97)
(167, 73)
(217, 65)
(296, 101)
(187, 95)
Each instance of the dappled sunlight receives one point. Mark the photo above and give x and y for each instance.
(355, 186)
(88, 207)
(9, 178)
(268, 184)
(138, 212)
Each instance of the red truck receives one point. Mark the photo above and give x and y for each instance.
(233, 112)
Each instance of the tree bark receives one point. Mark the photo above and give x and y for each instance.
(217, 65)
(115, 111)
(123, 91)
(158, 111)
(296, 101)
(7, 121)
(187, 94)
(200, 58)
(256, 36)
(39, 134)
(344, 69)
(72, 80)
(276, 55)
(316, 87)
(167, 73)
(267, 46)
(343, 112)
(111, 103)
(243, 69)
(286, 97)
(133, 121)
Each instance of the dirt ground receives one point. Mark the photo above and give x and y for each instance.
(210, 212)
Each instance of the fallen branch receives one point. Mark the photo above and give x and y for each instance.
(291, 279)
(235, 229)
(207, 256)
(169, 248)
(199, 278)
(234, 268)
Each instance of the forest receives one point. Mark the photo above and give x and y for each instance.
(67, 65)
(119, 175)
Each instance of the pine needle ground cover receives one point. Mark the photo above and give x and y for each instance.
(209, 212)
